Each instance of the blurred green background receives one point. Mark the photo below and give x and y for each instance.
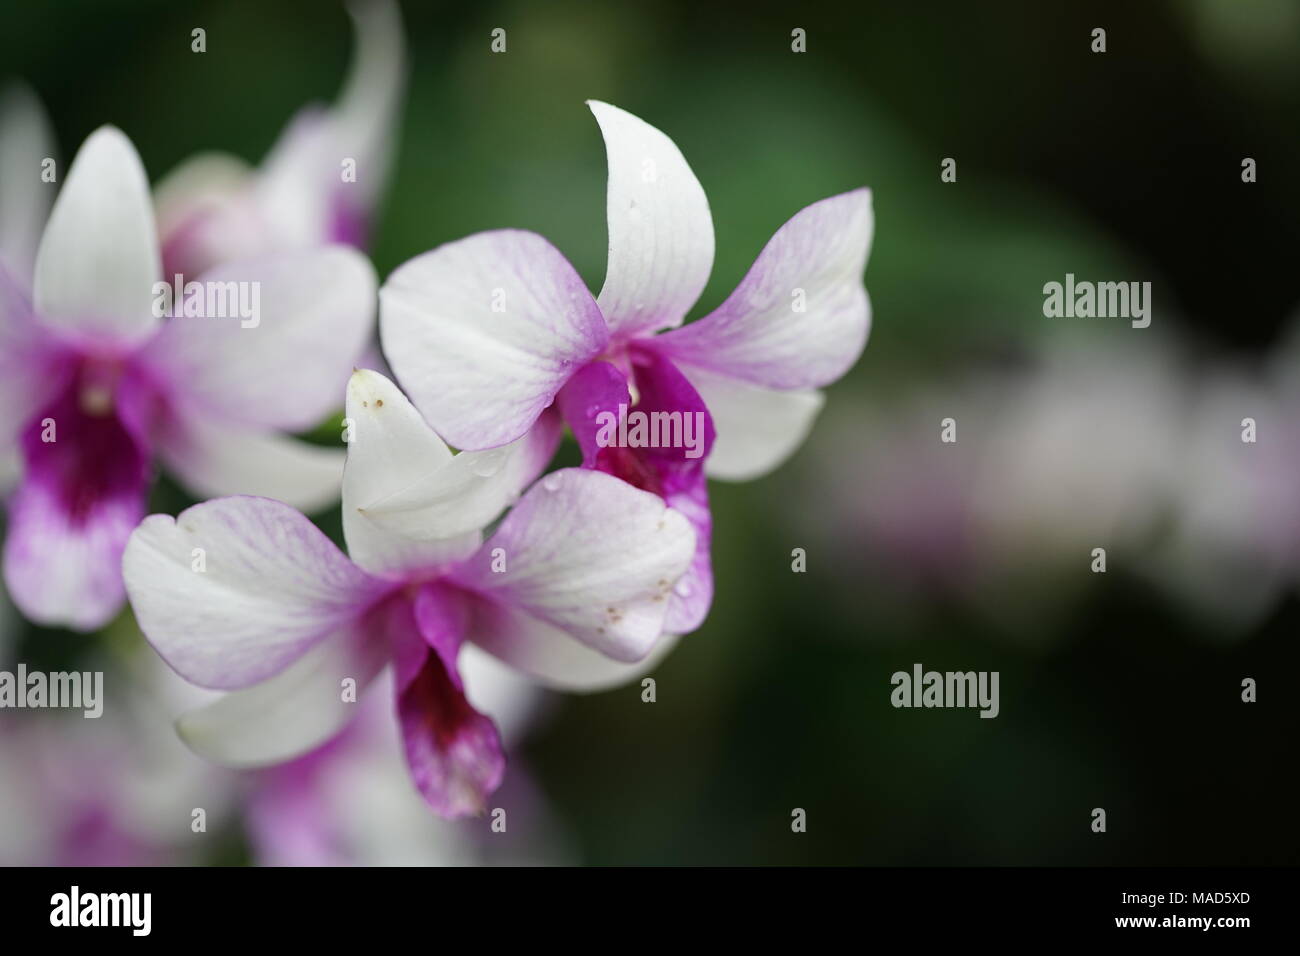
(1122, 165)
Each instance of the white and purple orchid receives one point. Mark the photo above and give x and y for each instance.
(319, 183)
(487, 333)
(96, 382)
(572, 589)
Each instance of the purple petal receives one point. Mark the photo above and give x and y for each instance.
(453, 751)
(598, 388)
(800, 317)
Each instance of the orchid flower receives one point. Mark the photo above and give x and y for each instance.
(571, 589)
(94, 382)
(319, 183)
(486, 333)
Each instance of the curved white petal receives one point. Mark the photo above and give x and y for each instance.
(390, 447)
(484, 331)
(551, 656)
(800, 317)
(233, 590)
(98, 260)
(285, 334)
(589, 554)
(758, 428)
(215, 459)
(293, 712)
(26, 141)
(428, 497)
(660, 229)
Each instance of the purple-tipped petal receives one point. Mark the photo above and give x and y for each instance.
(232, 591)
(589, 554)
(483, 333)
(800, 317)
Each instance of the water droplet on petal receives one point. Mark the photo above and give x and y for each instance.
(682, 588)
(488, 464)
(551, 482)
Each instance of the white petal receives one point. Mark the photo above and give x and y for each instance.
(215, 459)
(290, 714)
(591, 555)
(98, 260)
(281, 356)
(509, 697)
(483, 332)
(434, 501)
(271, 587)
(758, 428)
(26, 141)
(660, 229)
(390, 447)
(552, 657)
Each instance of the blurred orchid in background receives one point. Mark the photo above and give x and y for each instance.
(571, 589)
(120, 790)
(1082, 444)
(320, 182)
(96, 383)
(488, 332)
